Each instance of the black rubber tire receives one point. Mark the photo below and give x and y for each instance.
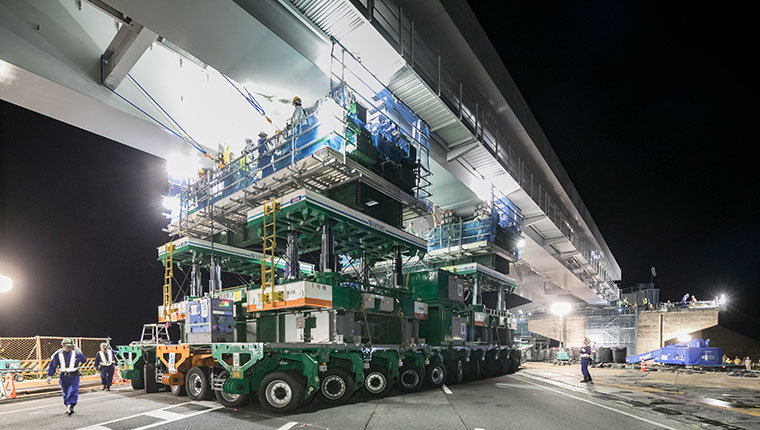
(281, 392)
(435, 375)
(505, 364)
(476, 369)
(198, 384)
(410, 379)
(178, 390)
(514, 364)
(230, 400)
(492, 367)
(378, 381)
(138, 383)
(336, 386)
(149, 378)
(455, 373)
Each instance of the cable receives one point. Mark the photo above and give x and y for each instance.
(250, 99)
(163, 110)
(203, 151)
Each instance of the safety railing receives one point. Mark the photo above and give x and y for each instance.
(388, 18)
(387, 116)
(323, 128)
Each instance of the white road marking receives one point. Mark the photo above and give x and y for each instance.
(523, 386)
(179, 417)
(478, 428)
(287, 426)
(165, 415)
(446, 389)
(598, 404)
(51, 404)
(135, 415)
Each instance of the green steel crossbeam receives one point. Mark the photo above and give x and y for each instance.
(305, 212)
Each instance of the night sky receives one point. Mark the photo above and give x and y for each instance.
(650, 109)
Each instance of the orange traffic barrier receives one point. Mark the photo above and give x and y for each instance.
(643, 366)
(117, 379)
(10, 386)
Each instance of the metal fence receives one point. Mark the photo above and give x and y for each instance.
(35, 352)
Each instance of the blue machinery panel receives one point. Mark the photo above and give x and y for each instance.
(695, 353)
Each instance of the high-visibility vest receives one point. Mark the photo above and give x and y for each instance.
(103, 361)
(72, 367)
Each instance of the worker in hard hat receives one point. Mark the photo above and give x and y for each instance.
(586, 360)
(105, 361)
(264, 157)
(299, 112)
(67, 361)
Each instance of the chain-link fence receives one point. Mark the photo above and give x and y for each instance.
(35, 352)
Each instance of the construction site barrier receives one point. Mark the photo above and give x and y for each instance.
(34, 352)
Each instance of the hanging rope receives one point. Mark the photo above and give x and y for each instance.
(184, 139)
(251, 100)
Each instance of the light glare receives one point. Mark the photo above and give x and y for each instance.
(561, 308)
(6, 284)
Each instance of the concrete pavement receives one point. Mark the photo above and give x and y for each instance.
(515, 402)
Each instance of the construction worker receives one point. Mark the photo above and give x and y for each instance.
(645, 302)
(67, 360)
(747, 363)
(586, 359)
(684, 299)
(298, 111)
(105, 361)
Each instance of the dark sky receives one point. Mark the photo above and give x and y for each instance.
(650, 109)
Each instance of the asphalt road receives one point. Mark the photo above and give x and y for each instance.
(512, 401)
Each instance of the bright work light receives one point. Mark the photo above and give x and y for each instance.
(6, 284)
(561, 308)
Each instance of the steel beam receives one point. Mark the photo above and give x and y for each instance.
(126, 48)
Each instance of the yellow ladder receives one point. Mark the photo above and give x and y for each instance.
(268, 246)
(168, 276)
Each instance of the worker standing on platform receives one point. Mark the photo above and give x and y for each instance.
(299, 112)
(67, 360)
(684, 299)
(105, 361)
(586, 360)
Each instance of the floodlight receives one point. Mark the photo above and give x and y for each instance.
(6, 284)
(521, 243)
(181, 166)
(561, 308)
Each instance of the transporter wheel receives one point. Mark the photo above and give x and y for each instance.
(178, 390)
(410, 379)
(198, 384)
(227, 399)
(514, 364)
(137, 382)
(336, 386)
(505, 364)
(476, 369)
(455, 375)
(435, 376)
(492, 367)
(378, 381)
(149, 378)
(281, 392)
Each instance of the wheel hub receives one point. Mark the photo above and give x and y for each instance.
(278, 393)
(333, 387)
(375, 382)
(410, 378)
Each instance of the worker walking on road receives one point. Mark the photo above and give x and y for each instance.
(67, 360)
(586, 360)
(105, 361)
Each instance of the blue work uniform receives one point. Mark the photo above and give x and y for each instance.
(67, 363)
(265, 157)
(585, 361)
(106, 363)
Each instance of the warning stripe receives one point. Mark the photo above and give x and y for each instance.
(40, 366)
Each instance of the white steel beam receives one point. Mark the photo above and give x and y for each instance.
(129, 44)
